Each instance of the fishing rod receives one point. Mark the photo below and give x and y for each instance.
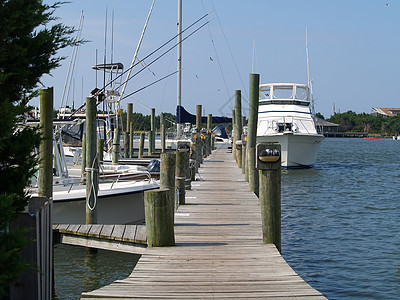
(154, 82)
(96, 92)
(149, 64)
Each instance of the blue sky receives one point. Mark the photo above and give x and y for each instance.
(354, 49)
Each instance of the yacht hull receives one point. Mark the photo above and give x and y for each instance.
(297, 150)
(115, 205)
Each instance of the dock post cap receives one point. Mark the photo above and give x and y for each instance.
(268, 156)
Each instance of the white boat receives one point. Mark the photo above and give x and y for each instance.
(119, 202)
(284, 116)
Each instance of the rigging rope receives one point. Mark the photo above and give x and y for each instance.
(216, 54)
(160, 47)
(230, 51)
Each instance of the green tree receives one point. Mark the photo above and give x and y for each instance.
(350, 121)
(28, 47)
(319, 115)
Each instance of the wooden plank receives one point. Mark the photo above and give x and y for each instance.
(95, 230)
(219, 253)
(129, 234)
(118, 232)
(73, 228)
(84, 229)
(106, 231)
(141, 237)
(62, 227)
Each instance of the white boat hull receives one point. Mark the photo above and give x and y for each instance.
(297, 150)
(121, 204)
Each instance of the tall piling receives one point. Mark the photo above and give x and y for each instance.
(209, 128)
(199, 150)
(131, 134)
(153, 130)
(254, 92)
(162, 132)
(126, 144)
(181, 172)
(116, 146)
(100, 150)
(270, 191)
(233, 134)
(238, 125)
(198, 118)
(92, 169)
(159, 218)
(46, 145)
(141, 144)
(243, 154)
(149, 144)
(83, 156)
(129, 115)
(167, 176)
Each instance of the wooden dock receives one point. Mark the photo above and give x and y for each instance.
(219, 251)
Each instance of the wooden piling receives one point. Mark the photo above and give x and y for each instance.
(254, 82)
(239, 150)
(92, 171)
(116, 146)
(182, 166)
(243, 154)
(233, 134)
(46, 145)
(83, 156)
(238, 125)
(209, 134)
(159, 218)
(167, 176)
(100, 150)
(270, 198)
(193, 159)
(162, 132)
(149, 145)
(126, 144)
(153, 130)
(180, 190)
(129, 115)
(199, 151)
(141, 144)
(198, 118)
(131, 134)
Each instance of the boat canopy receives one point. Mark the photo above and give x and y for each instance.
(220, 131)
(183, 116)
(275, 93)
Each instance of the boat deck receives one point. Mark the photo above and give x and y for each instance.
(219, 251)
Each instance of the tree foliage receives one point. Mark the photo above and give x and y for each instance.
(363, 122)
(28, 47)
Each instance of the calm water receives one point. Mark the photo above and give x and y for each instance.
(340, 227)
(76, 272)
(340, 220)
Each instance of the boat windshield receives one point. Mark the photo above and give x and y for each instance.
(284, 91)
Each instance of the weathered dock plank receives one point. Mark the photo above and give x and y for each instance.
(219, 253)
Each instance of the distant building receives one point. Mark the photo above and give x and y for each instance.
(324, 126)
(386, 112)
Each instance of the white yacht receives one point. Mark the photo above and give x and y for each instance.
(284, 116)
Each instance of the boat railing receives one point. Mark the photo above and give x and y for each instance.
(110, 178)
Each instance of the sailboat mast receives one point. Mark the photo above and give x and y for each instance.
(309, 83)
(179, 68)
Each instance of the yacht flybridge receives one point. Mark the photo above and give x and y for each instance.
(284, 116)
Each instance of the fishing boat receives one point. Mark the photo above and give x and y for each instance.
(117, 202)
(285, 117)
